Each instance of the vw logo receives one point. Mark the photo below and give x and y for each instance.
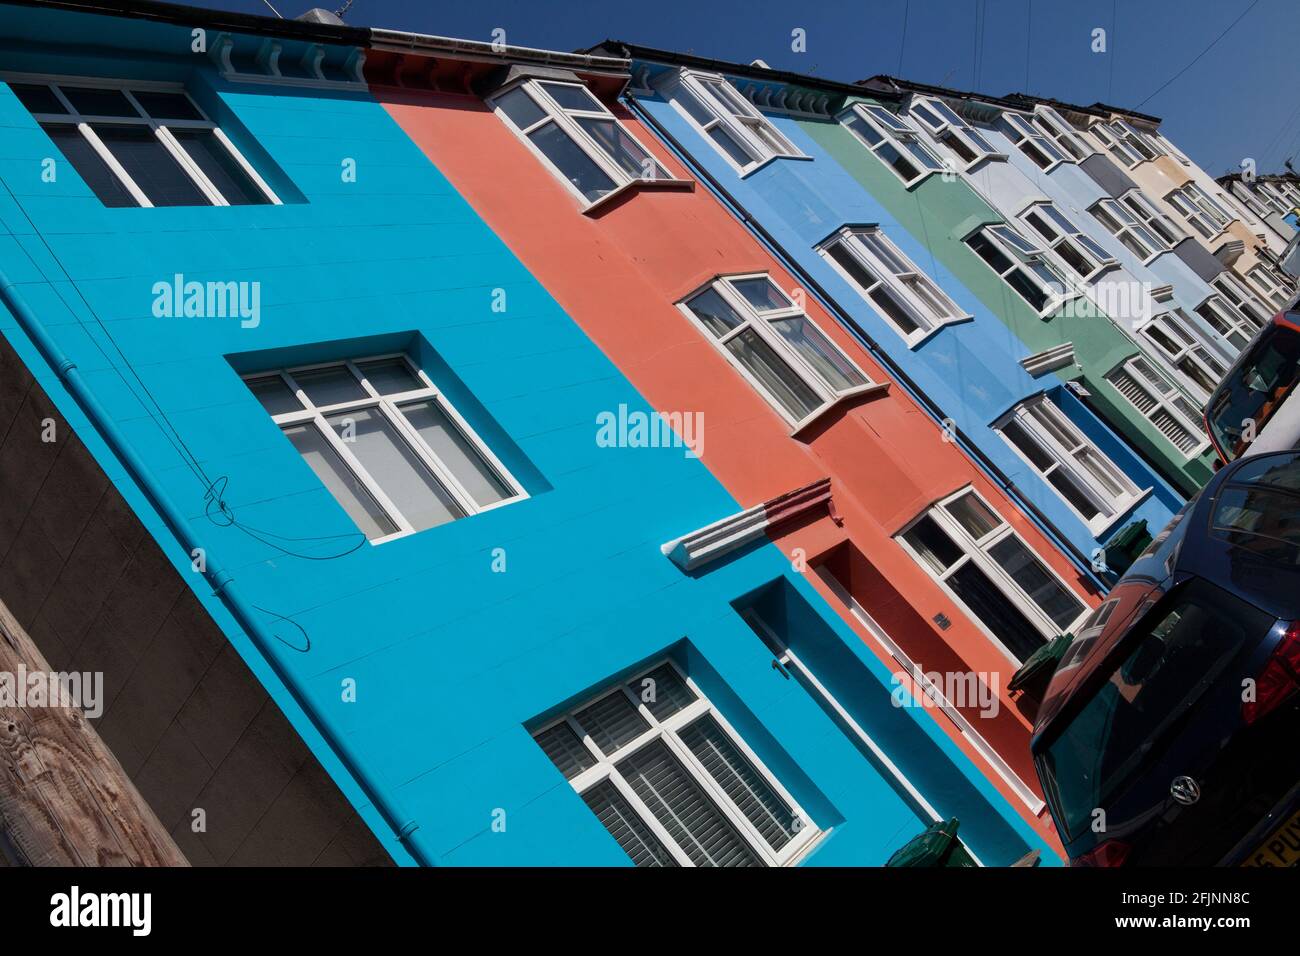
(1185, 790)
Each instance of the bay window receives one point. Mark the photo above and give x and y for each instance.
(1078, 251)
(774, 345)
(1200, 209)
(744, 136)
(1023, 266)
(1197, 367)
(896, 288)
(577, 137)
(1031, 141)
(893, 140)
(968, 144)
(1085, 478)
(1228, 321)
(989, 570)
(1240, 296)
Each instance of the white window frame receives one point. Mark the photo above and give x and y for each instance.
(977, 550)
(567, 121)
(739, 118)
(953, 125)
(1188, 347)
(1267, 281)
(386, 406)
(1243, 298)
(1163, 398)
(1083, 245)
(1248, 198)
(1060, 131)
(667, 731)
(1026, 136)
(1201, 210)
(1135, 221)
(160, 129)
(897, 133)
(1022, 259)
(1282, 197)
(1031, 416)
(760, 323)
(900, 283)
(1127, 141)
(1226, 319)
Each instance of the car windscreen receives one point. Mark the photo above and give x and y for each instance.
(1259, 508)
(1159, 672)
(1253, 391)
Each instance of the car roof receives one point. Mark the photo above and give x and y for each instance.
(1269, 585)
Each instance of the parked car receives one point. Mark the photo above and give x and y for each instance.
(1167, 735)
(1249, 413)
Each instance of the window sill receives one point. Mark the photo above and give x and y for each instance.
(749, 171)
(916, 341)
(1100, 530)
(637, 185)
(870, 390)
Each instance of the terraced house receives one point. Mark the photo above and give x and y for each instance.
(319, 345)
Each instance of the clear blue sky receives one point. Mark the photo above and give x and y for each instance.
(1240, 99)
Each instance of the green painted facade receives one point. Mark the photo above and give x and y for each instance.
(941, 214)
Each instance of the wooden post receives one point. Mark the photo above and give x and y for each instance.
(64, 798)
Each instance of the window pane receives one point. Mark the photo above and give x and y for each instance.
(612, 722)
(573, 97)
(521, 108)
(574, 164)
(789, 390)
(449, 444)
(1034, 579)
(626, 826)
(739, 154)
(665, 694)
(715, 312)
(211, 156)
(761, 293)
(274, 395)
(390, 376)
(815, 349)
(973, 515)
(681, 805)
(933, 544)
(899, 314)
(167, 106)
(741, 782)
(37, 98)
(1028, 445)
(569, 754)
(76, 149)
(864, 130)
(329, 386)
(995, 611)
(622, 148)
(148, 162)
(849, 263)
(92, 102)
(394, 467)
(339, 480)
(1072, 492)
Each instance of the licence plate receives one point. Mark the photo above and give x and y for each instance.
(1282, 846)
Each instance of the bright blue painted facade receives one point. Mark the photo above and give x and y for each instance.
(452, 660)
(969, 369)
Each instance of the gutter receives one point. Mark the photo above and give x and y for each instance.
(223, 585)
(986, 464)
(400, 41)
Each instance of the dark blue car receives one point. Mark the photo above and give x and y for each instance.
(1168, 734)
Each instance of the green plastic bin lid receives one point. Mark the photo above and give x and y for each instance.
(937, 846)
(1041, 663)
